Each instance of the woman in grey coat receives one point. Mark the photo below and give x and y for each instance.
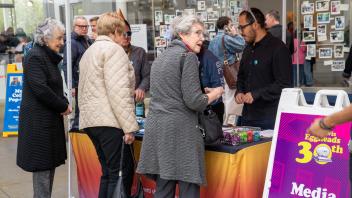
(173, 147)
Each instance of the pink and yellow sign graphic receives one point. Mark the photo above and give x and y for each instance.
(307, 166)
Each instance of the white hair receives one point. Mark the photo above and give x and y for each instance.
(45, 30)
(183, 24)
(79, 18)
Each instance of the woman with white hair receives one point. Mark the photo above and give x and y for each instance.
(173, 147)
(41, 135)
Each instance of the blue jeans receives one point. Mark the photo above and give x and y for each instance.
(301, 75)
(308, 77)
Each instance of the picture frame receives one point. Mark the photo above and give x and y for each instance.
(311, 50)
(307, 8)
(322, 5)
(203, 16)
(210, 26)
(158, 17)
(323, 18)
(338, 65)
(308, 21)
(338, 51)
(213, 15)
(325, 53)
(339, 22)
(335, 7)
(308, 36)
(168, 18)
(201, 5)
(321, 29)
(160, 42)
(189, 12)
(337, 36)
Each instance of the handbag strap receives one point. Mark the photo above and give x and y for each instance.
(224, 49)
(121, 158)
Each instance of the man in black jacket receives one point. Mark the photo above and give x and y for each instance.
(264, 71)
(272, 22)
(79, 44)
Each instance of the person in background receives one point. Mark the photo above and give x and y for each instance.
(79, 44)
(211, 76)
(173, 147)
(348, 68)
(233, 44)
(298, 58)
(106, 87)
(139, 60)
(93, 26)
(265, 70)
(272, 22)
(321, 127)
(41, 134)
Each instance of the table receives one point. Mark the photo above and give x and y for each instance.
(232, 171)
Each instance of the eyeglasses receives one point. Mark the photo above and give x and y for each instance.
(127, 34)
(241, 27)
(82, 26)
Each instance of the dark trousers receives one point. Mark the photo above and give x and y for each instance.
(167, 189)
(43, 183)
(108, 143)
(219, 109)
(75, 121)
(263, 124)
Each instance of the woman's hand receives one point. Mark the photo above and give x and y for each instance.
(68, 110)
(129, 138)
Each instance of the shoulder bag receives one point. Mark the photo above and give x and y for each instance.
(230, 70)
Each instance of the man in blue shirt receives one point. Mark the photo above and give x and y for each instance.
(233, 43)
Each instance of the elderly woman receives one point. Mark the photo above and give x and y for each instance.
(41, 135)
(106, 101)
(173, 147)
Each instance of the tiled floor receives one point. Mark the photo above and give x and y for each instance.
(16, 183)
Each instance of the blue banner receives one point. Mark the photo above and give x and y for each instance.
(13, 102)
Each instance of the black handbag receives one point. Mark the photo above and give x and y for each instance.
(210, 127)
(120, 188)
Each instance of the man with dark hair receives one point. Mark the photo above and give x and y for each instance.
(272, 22)
(93, 25)
(265, 70)
(229, 41)
(139, 60)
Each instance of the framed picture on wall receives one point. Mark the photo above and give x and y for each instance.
(335, 7)
(160, 42)
(203, 16)
(307, 8)
(336, 36)
(321, 29)
(338, 65)
(308, 21)
(210, 26)
(338, 51)
(322, 5)
(189, 12)
(201, 5)
(339, 23)
(168, 18)
(158, 17)
(311, 50)
(213, 15)
(325, 52)
(323, 17)
(308, 36)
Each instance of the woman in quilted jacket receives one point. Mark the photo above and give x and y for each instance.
(106, 102)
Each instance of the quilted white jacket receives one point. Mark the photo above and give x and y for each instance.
(106, 87)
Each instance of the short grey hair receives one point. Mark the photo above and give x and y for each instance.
(45, 30)
(78, 18)
(183, 24)
(275, 14)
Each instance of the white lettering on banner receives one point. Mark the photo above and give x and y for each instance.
(16, 96)
(306, 192)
